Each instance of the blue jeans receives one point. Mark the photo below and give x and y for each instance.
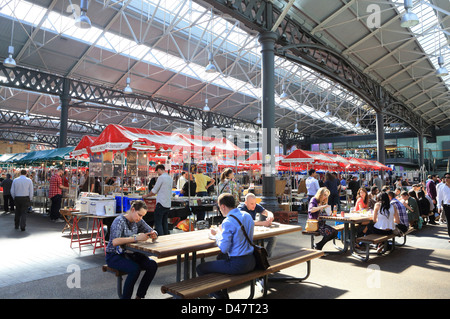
(227, 265)
(161, 224)
(230, 265)
(132, 264)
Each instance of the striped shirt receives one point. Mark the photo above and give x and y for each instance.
(401, 209)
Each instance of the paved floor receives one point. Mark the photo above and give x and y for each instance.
(38, 263)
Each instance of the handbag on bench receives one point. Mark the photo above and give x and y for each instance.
(260, 253)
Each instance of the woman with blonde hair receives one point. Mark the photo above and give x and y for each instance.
(316, 208)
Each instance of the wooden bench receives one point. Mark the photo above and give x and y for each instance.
(339, 228)
(203, 285)
(160, 262)
(374, 239)
(409, 231)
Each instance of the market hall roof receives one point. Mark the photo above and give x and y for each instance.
(163, 47)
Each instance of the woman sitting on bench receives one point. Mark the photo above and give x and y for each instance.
(131, 228)
(316, 206)
(385, 216)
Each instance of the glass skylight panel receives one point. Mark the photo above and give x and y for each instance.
(429, 41)
(244, 44)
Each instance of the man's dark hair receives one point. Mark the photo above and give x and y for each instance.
(23, 172)
(311, 171)
(226, 199)
(160, 166)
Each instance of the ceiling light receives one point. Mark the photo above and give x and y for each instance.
(96, 127)
(357, 123)
(26, 117)
(134, 120)
(284, 95)
(409, 19)
(328, 113)
(83, 21)
(442, 71)
(206, 107)
(9, 61)
(58, 108)
(258, 120)
(210, 68)
(128, 89)
(295, 129)
(35, 137)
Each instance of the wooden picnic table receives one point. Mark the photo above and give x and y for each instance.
(190, 242)
(350, 220)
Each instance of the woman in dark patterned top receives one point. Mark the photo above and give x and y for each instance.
(131, 228)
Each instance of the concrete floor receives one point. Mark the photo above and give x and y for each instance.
(39, 264)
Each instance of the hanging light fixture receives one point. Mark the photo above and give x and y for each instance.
(128, 89)
(27, 116)
(295, 128)
(83, 20)
(442, 71)
(258, 119)
(96, 127)
(58, 108)
(357, 123)
(409, 19)
(9, 61)
(210, 68)
(284, 95)
(206, 107)
(134, 119)
(328, 113)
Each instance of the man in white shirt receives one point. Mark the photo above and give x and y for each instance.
(22, 192)
(443, 200)
(163, 192)
(181, 181)
(312, 184)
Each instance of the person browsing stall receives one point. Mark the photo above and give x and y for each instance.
(236, 252)
(125, 229)
(163, 192)
(22, 192)
(203, 183)
(312, 184)
(265, 218)
(228, 185)
(55, 195)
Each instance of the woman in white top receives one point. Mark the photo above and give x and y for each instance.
(385, 216)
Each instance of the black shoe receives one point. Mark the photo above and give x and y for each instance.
(433, 223)
(22, 229)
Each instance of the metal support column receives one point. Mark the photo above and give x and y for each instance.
(421, 154)
(381, 149)
(269, 199)
(65, 99)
